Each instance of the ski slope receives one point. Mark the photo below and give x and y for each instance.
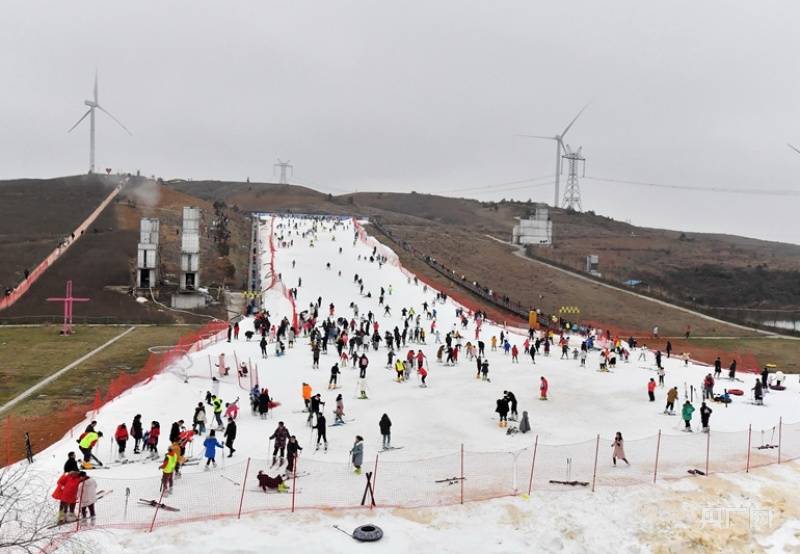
(429, 423)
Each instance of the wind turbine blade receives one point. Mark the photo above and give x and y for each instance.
(793, 147)
(537, 137)
(574, 120)
(96, 100)
(105, 111)
(81, 119)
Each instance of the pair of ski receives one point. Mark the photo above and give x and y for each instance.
(343, 422)
(160, 505)
(451, 480)
(388, 448)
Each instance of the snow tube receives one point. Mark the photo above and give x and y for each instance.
(777, 387)
(736, 392)
(368, 533)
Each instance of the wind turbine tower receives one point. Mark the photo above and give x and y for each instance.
(284, 166)
(572, 194)
(94, 104)
(559, 140)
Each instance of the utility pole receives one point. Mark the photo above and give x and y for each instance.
(284, 166)
(572, 192)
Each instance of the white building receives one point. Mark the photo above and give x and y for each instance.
(536, 229)
(147, 254)
(190, 249)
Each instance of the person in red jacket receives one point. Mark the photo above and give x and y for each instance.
(514, 354)
(66, 493)
(423, 373)
(543, 386)
(651, 389)
(121, 436)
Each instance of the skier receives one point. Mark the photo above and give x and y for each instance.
(263, 345)
(167, 468)
(512, 401)
(672, 396)
(136, 432)
(280, 436)
(661, 374)
(385, 425)
(686, 413)
(85, 444)
(357, 454)
(485, 370)
(363, 363)
(230, 436)
(705, 416)
(717, 367)
(307, 395)
(67, 494)
(651, 389)
(339, 412)
(71, 464)
(152, 439)
(321, 428)
(273, 483)
(334, 376)
(514, 354)
(423, 373)
(502, 411)
(121, 436)
(88, 496)
(758, 393)
(619, 449)
(543, 386)
(293, 448)
(199, 419)
(211, 444)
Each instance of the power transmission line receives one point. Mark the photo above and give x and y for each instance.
(726, 190)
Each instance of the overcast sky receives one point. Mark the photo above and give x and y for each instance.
(425, 96)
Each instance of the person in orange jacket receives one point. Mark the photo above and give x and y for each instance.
(307, 395)
(651, 389)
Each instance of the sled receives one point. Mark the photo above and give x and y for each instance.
(696, 472)
(736, 392)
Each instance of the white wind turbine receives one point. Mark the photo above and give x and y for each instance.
(559, 149)
(793, 147)
(95, 105)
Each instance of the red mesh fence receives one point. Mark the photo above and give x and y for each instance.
(462, 476)
(13, 428)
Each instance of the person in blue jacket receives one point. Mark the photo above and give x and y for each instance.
(211, 444)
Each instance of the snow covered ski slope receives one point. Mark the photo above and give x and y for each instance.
(319, 263)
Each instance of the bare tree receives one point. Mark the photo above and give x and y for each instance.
(28, 514)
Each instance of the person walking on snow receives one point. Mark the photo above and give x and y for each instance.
(339, 411)
(512, 401)
(334, 376)
(705, 416)
(686, 413)
(357, 454)
(619, 449)
(230, 436)
(88, 497)
(651, 389)
(661, 374)
(211, 444)
(167, 468)
(672, 396)
(543, 386)
(293, 448)
(385, 425)
(121, 436)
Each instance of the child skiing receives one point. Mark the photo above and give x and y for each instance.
(211, 444)
(385, 425)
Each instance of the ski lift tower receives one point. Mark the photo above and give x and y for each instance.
(572, 192)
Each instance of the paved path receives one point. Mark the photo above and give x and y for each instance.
(47, 380)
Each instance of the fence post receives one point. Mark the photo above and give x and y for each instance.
(160, 500)
(749, 439)
(462, 473)
(80, 505)
(533, 463)
(708, 448)
(780, 437)
(210, 367)
(374, 480)
(294, 480)
(658, 449)
(244, 482)
(596, 452)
